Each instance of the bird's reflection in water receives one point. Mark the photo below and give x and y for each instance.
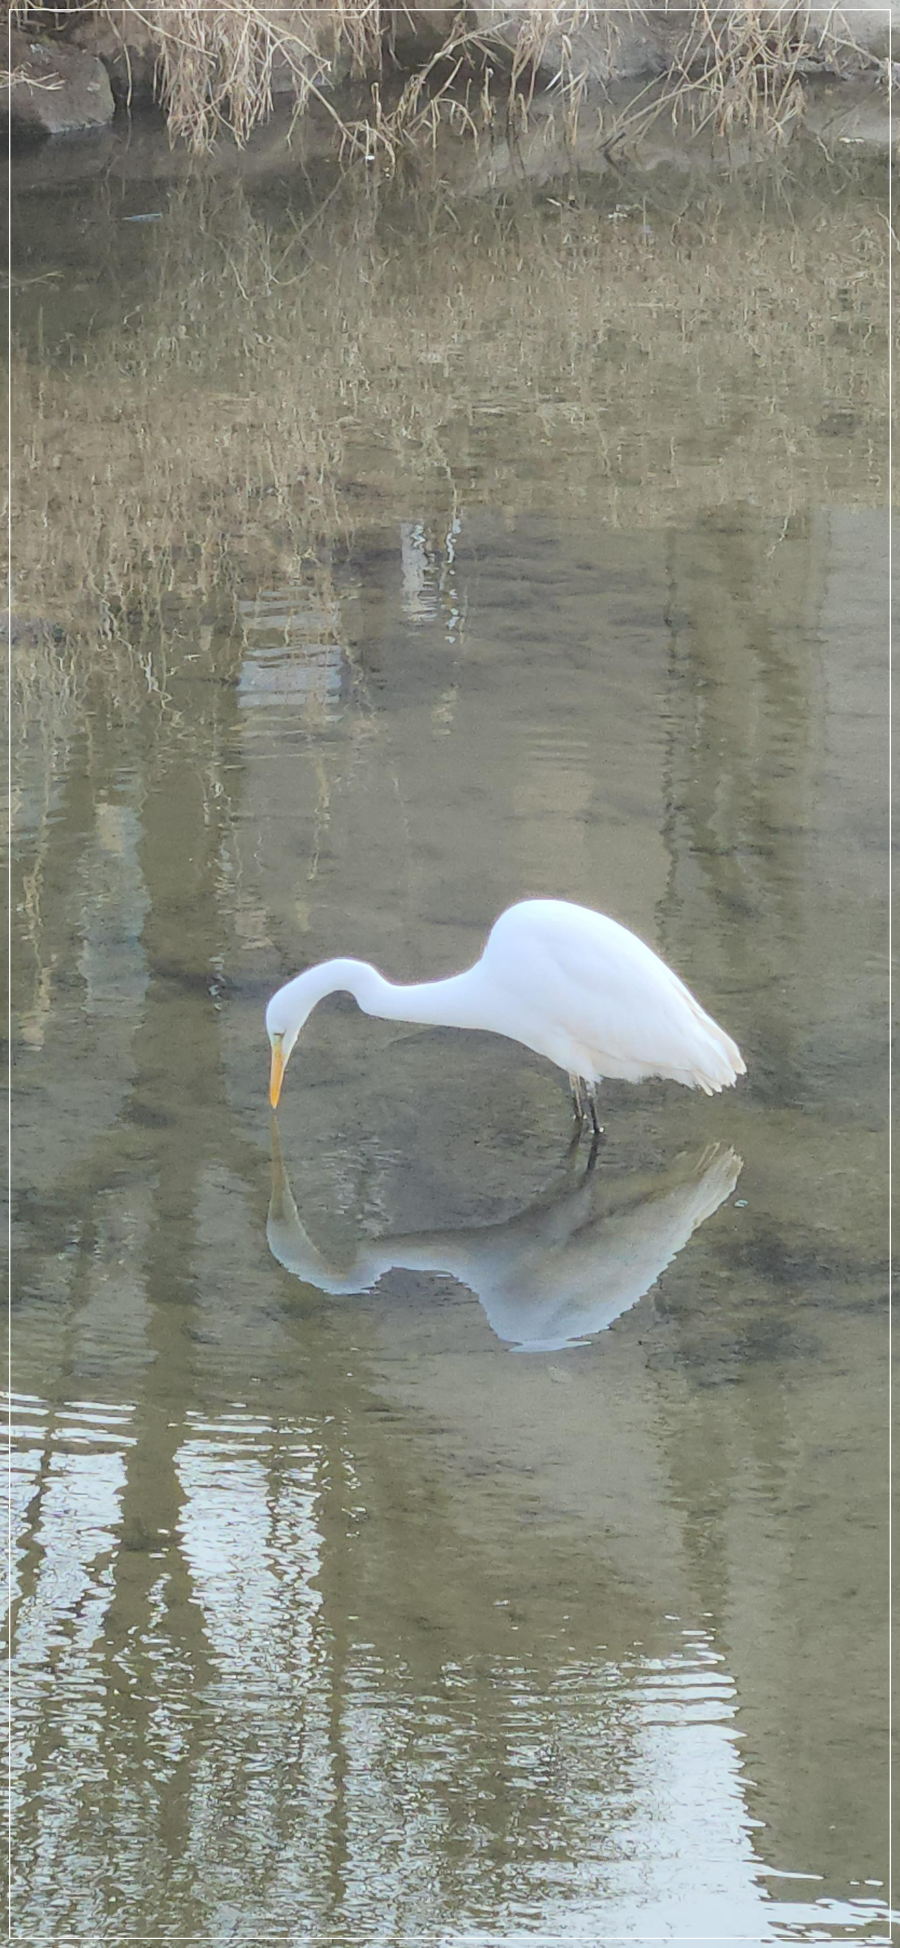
(555, 1275)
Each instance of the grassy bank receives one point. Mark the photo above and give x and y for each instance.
(217, 70)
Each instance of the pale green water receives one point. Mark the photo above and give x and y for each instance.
(339, 1618)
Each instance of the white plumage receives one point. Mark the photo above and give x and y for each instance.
(608, 1006)
(569, 983)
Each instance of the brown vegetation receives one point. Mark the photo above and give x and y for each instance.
(218, 69)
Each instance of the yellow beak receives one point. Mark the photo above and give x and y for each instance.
(276, 1073)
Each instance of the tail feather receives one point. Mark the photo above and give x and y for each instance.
(718, 1065)
(721, 1062)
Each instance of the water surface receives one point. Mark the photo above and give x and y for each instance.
(422, 1535)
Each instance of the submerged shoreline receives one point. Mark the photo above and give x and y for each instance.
(272, 342)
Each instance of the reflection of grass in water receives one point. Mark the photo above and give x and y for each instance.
(268, 391)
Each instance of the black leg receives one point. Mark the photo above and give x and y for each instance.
(584, 1105)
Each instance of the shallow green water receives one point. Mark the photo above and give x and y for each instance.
(539, 1592)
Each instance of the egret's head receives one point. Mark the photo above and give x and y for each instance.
(282, 1031)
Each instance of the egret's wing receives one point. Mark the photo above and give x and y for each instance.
(610, 993)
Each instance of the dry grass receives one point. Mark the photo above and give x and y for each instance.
(216, 65)
(751, 62)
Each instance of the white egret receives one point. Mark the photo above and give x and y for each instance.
(569, 983)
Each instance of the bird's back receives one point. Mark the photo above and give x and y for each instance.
(599, 1002)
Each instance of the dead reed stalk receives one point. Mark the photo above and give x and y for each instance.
(218, 65)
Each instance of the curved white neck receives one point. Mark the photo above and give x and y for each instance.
(454, 1003)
